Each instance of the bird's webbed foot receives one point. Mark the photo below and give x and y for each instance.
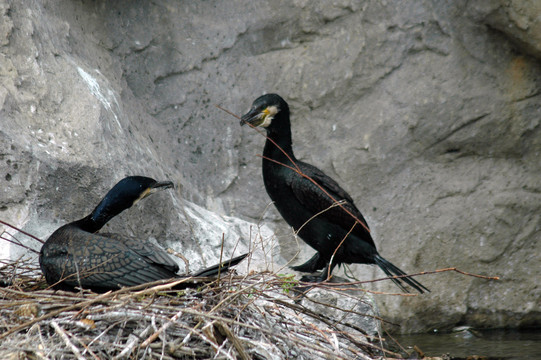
(316, 278)
(323, 276)
(314, 264)
(303, 288)
(313, 278)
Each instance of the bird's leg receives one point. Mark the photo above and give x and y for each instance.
(321, 277)
(314, 264)
(327, 271)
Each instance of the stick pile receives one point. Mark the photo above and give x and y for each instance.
(258, 316)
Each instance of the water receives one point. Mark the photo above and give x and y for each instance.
(492, 344)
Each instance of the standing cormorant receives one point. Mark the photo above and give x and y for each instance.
(307, 200)
(75, 255)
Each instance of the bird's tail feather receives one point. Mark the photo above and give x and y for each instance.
(222, 267)
(390, 270)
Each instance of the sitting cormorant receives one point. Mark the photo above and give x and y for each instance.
(76, 256)
(307, 200)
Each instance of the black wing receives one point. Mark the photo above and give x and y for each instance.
(318, 197)
(97, 262)
(153, 254)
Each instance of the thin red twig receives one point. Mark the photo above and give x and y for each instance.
(297, 169)
(22, 232)
(338, 247)
(410, 275)
(19, 244)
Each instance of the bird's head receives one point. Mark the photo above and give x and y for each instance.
(269, 111)
(126, 193)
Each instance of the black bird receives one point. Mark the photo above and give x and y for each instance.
(75, 255)
(307, 200)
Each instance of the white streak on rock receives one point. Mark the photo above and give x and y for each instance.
(96, 90)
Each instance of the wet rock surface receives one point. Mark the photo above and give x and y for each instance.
(428, 114)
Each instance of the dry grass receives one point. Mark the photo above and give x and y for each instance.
(258, 316)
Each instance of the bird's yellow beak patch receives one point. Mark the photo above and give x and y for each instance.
(268, 115)
(144, 194)
(157, 186)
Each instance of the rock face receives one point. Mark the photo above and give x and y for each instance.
(427, 113)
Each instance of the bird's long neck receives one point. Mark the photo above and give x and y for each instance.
(87, 224)
(108, 208)
(278, 147)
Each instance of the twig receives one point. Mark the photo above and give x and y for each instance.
(221, 255)
(22, 232)
(164, 327)
(182, 257)
(458, 271)
(18, 243)
(335, 250)
(66, 339)
(133, 343)
(298, 171)
(409, 275)
(224, 329)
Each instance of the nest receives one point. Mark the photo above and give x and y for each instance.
(257, 316)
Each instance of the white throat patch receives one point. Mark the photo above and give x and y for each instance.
(269, 116)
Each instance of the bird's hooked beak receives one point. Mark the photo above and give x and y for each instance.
(157, 186)
(257, 117)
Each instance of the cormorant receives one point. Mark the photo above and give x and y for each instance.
(307, 200)
(75, 255)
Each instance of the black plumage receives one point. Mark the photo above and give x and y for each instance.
(75, 255)
(308, 200)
